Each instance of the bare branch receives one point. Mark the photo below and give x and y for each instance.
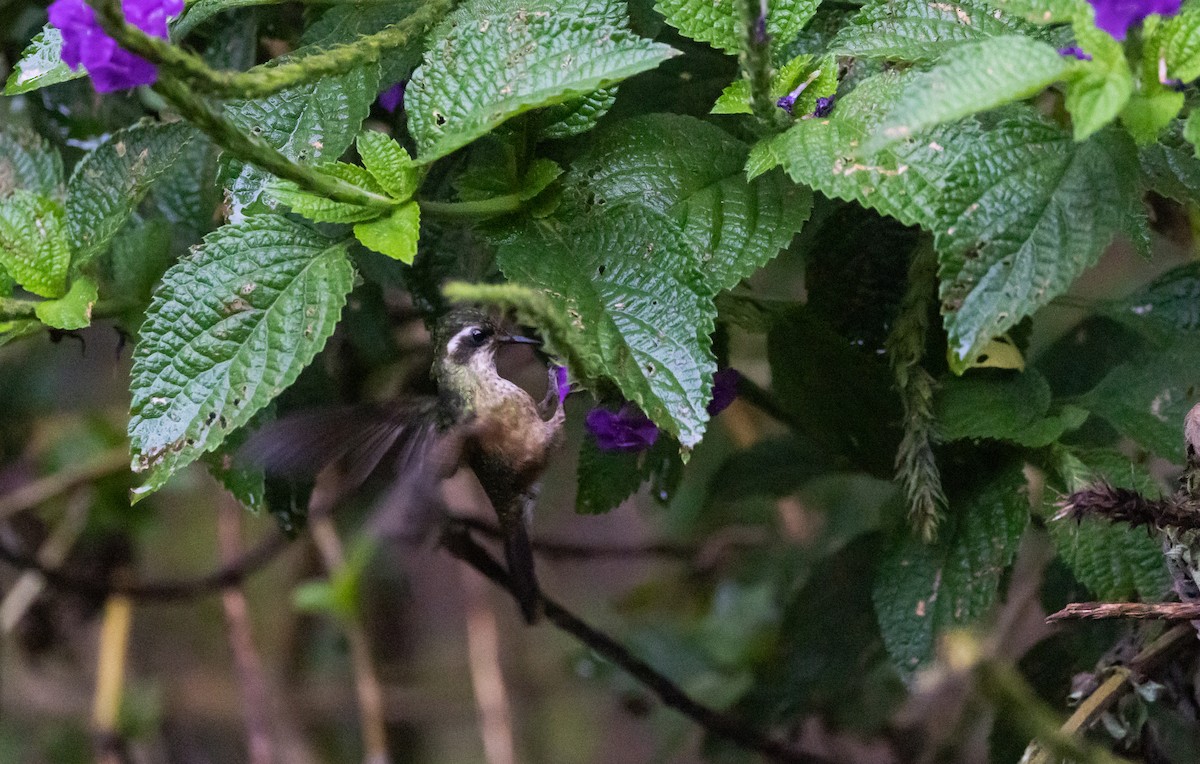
(1155, 611)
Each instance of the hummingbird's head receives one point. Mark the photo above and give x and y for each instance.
(466, 343)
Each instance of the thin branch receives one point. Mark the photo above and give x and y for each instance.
(165, 591)
(459, 543)
(1150, 611)
(43, 489)
(256, 705)
(366, 683)
(110, 677)
(1128, 506)
(487, 678)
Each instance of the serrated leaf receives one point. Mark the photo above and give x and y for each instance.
(538, 177)
(973, 77)
(108, 184)
(200, 11)
(819, 80)
(607, 479)
(1165, 307)
(576, 116)
(918, 30)
(902, 181)
(691, 171)
(1150, 111)
(139, 256)
(1176, 42)
(33, 243)
(389, 163)
(229, 328)
(1147, 398)
(715, 21)
(41, 64)
(1025, 212)
(1170, 166)
(1191, 131)
(1114, 563)
(306, 123)
(1013, 407)
(346, 22)
(1041, 12)
(495, 59)
(322, 209)
(245, 481)
(394, 234)
(638, 309)
(1102, 86)
(27, 161)
(188, 193)
(922, 590)
(71, 311)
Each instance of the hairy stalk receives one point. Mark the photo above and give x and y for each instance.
(267, 78)
(755, 61)
(916, 467)
(478, 209)
(250, 148)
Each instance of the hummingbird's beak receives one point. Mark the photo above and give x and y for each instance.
(516, 339)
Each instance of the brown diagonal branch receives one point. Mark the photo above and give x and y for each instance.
(1152, 611)
(1123, 505)
(458, 542)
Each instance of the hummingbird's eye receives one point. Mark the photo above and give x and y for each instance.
(478, 337)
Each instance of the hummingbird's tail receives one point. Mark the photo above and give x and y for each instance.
(518, 553)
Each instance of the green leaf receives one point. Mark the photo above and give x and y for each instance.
(902, 181)
(637, 309)
(322, 209)
(246, 482)
(108, 184)
(41, 64)
(346, 22)
(1147, 398)
(576, 116)
(1150, 111)
(1041, 12)
(28, 162)
(1170, 165)
(1115, 564)
(1025, 213)
(1165, 307)
(196, 13)
(229, 328)
(918, 30)
(538, 177)
(973, 77)
(922, 590)
(494, 59)
(307, 123)
(73, 310)
(1176, 41)
(1191, 131)
(691, 172)
(715, 21)
(395, 234)
(389, 163)
(33, 243)
(1011, 407)
(1102, 87)
(139, 256)
(819, 80)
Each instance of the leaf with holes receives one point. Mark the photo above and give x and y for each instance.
(636, 308)
(918, 30)
(715, 21)
(33, 243)
(229, 328)
(491, 60)
(41, 64)
(1165, 307)
(691, 172)
(308, 122)
(922, 590)
(108, 184)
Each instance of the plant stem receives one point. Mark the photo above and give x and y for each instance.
(473, 210)
(755, 60)
(255, 150)
(267, 78)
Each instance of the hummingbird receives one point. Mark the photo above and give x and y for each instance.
(478, 420)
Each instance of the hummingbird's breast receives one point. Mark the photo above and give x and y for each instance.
(511, 430)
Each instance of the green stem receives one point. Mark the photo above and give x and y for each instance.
(251, 148)
(474, 210)
(267, 78)
(16, 309)
(755, 61)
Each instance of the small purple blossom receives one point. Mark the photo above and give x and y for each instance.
(1117, 16)
(823, 107)
(1075, 51)
(393, 98)
(561, 385)
(627, 430)
(788, 102)
(725, 390)
(110, 66)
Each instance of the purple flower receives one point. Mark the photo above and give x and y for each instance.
(788, 102)
(725, 389)
(110, 66)
(561, 384)
(1116, 16)
(392, 98)
(823, 108)
(627, 430)
(1076, 52)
